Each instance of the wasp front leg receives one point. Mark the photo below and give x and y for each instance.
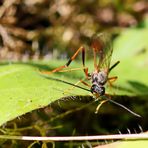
(111, 80)
(80, 81)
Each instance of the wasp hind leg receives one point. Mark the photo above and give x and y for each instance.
(69, 62)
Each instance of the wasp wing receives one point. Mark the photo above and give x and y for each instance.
(102, 47)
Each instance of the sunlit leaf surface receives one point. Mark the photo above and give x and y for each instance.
(23, 89)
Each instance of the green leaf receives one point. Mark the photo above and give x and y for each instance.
(131, 42)
(23, 89)
(134, 144)
(127, 144)
(131, 48)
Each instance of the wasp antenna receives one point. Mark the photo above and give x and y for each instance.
(133, 113)
(55, 79)
(114, 65)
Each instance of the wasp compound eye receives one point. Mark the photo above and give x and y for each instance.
(98, 89)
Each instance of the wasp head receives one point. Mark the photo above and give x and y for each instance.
(98, 90)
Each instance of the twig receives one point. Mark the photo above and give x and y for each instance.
(79, 138)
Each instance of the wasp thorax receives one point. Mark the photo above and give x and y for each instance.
(99, 78)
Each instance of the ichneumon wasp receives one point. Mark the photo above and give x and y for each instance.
(102, 52)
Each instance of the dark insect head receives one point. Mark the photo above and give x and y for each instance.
(98, 90)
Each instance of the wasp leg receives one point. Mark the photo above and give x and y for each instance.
(108, 97)
(72, 69)
(80, 81)
(98, 107)
(85, 83)
(69, 62)
(111, 80)
(71, 88)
